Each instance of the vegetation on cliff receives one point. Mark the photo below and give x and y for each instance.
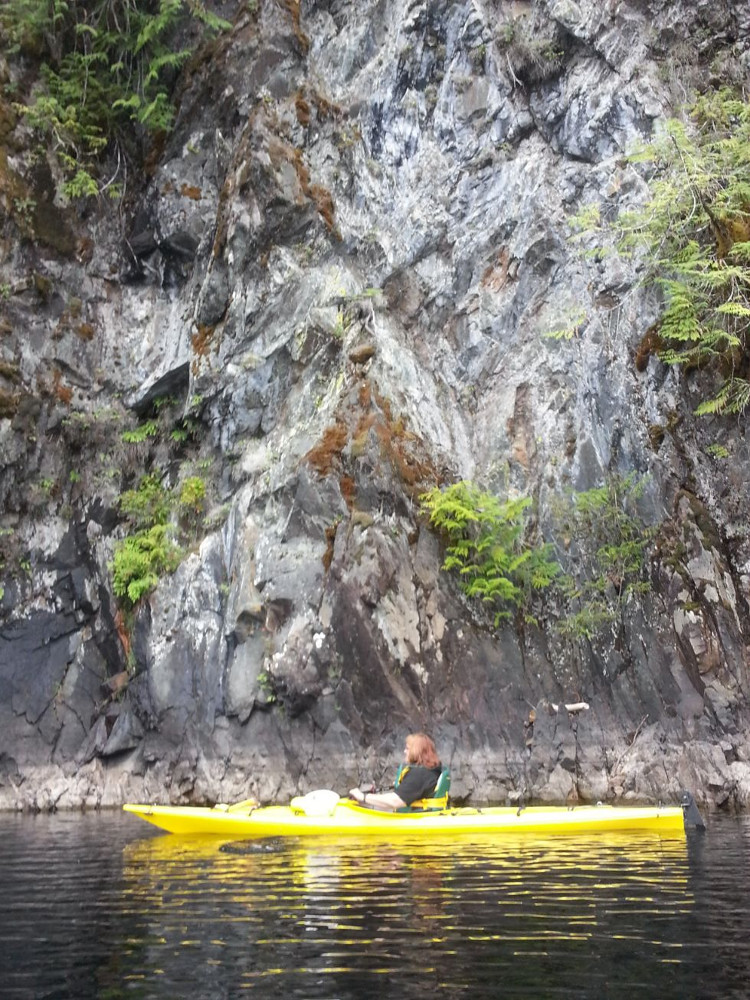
(486, 545)
(161, 521)
(606, 544)
(105, 74)
(599, 537)
(693, 232)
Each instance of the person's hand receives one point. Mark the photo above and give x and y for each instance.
(356, 794)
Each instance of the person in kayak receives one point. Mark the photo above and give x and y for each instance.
(416, 779)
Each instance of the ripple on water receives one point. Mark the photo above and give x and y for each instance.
(90, 908)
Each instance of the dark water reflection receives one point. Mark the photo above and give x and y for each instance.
(97, 907)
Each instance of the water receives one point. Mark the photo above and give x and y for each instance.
(98, 906)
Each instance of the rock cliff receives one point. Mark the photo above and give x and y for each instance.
(326, 293)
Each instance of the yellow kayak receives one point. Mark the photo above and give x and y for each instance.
(337, 817)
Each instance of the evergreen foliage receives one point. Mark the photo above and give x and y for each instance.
(695, 230)
(146, 506)
(106, 70)
(486, 545)
(148, 429)
(570, 328)
(152, 548)
(191, 502)
(600, 537)
(607, 543)
(140, 560)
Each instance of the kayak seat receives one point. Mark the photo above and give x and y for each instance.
(438, 799)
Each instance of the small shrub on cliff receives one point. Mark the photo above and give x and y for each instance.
(191, 505)
(192, 498)
(694, 234)
(486, 545)
(141, 559)
(144, 431)
(601, 538)
(153, 549)
(607, 543)
(147, 505)
(532, 50)
(104, 66)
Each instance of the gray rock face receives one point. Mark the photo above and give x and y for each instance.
(345, 266)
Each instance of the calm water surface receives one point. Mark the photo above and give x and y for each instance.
(98, 906)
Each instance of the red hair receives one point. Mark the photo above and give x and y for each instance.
(421, 750)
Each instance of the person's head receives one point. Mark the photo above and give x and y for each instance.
(421, 750)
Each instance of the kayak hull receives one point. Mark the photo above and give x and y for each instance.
(349, 819)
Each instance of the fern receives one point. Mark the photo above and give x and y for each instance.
(571, 328)
(151, 549)
(694, 237)
(140, 560)
(486, 545)
(147, 505)
(733, 309)
(606, 545)
(138, 435)
(109, 64)
(733, 397)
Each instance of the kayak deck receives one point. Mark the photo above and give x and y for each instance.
(347, 818)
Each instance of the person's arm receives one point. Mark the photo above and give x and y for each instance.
(388, 801)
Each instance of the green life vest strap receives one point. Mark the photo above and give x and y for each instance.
(438, 799)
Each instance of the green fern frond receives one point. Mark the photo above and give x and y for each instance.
(486, 547)
(117, 66)
(693, 233)
(733, 309)
(733, 397)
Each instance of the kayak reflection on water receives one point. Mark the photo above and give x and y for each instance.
(333, 918)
